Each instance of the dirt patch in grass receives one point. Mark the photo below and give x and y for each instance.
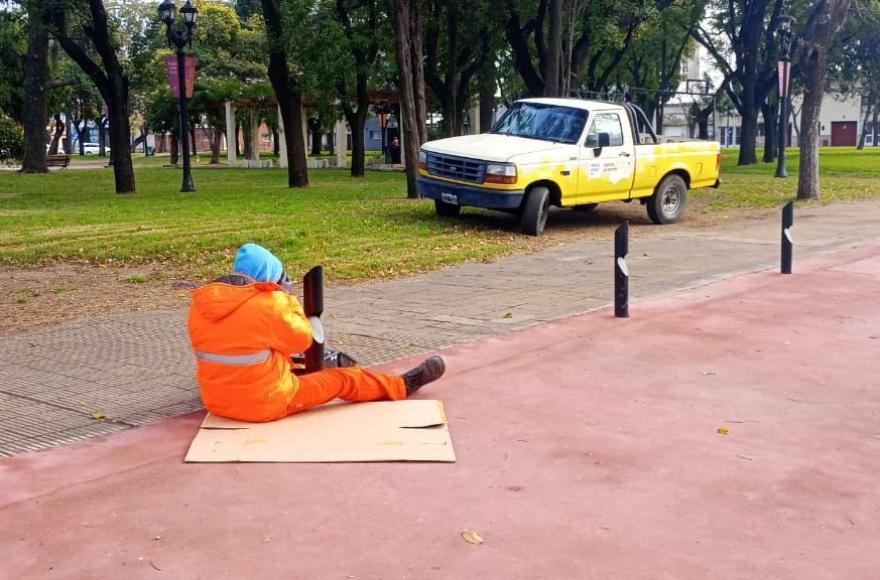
(32, 297)
(57, 291)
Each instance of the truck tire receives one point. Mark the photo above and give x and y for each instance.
(666, 206)
(446, 209)
(535, 211)
(585, 208)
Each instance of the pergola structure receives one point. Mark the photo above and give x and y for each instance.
(383, 101)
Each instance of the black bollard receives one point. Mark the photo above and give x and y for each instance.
(313, 306)
(787, 239)
(621, 271)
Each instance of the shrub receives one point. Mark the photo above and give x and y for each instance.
(11, 140)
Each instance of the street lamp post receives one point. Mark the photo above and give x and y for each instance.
(783, 25)
(181, 37)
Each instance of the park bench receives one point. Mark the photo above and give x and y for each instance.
(57, 161)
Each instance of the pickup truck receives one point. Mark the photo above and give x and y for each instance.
(566, 153)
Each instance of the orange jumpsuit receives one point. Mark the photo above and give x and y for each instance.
(243, 336)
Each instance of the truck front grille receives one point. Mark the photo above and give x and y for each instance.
(456, 167)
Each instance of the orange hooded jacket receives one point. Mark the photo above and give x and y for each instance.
(243, 337)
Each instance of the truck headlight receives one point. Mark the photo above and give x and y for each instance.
(423, 160)
(501, 173)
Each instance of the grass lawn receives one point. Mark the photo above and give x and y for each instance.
(359, 229)
(845, 174)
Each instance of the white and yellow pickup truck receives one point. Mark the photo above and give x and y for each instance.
(566, 153)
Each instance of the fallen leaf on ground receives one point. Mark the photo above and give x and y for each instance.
(723, 430)
(472, 537)
(508, 315)
(98, 415)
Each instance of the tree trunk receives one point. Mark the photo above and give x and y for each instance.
(867, 117)
(554, 51)
(246, 131)
(315, 126)
(660, 116)
(216, 137)
(289, 96)
(102, 137)
(192, 136)
(110, 81)
(36, 110)
(451, 117)
(486, 85)
(330, 148)
(826, 18)
(142, 138)
(874, 122)
(316, 141)
(749, 132)
(174, 149)
(770, 132)
(358, 158)
(80, 142)
(409, 120)
(56, 134)
(808, 173)
(357, 122)
(418, 72)
(120, 136)
(236, 141)
(517, 37)
(487, 106)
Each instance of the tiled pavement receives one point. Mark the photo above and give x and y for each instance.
(98, 375)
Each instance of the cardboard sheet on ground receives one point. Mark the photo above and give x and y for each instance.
(413, 430)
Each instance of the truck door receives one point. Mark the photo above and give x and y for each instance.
(607, 160)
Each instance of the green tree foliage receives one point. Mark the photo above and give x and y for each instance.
(13, 44)
(247, 8)
(596, 36)
(651, 70)
(456, 49)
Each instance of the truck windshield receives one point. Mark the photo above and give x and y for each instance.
(541, 121)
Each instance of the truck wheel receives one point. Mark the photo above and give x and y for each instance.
(585, 208)
(666, 206)
(446, 209)
(535, 211)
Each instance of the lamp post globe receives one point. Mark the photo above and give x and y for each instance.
(168, 12)
(190, 14)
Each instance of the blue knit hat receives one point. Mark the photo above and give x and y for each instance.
(257, 262)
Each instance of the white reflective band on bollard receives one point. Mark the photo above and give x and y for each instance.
(317, 329)
(621, 263)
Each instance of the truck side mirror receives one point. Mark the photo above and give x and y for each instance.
(604, 141)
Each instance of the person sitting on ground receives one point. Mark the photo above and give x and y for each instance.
(243, 328)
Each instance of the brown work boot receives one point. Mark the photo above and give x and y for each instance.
(430, 370)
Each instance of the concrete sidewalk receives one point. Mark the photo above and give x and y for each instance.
(587, 448)
(136, 368)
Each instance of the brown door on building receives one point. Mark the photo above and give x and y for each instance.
(843, 134)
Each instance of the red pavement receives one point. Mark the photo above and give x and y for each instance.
(587, 448)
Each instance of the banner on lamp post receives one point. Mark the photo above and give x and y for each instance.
(784, 70)
(174, 77)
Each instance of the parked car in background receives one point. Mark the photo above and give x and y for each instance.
(94, 149)
(566, 153)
